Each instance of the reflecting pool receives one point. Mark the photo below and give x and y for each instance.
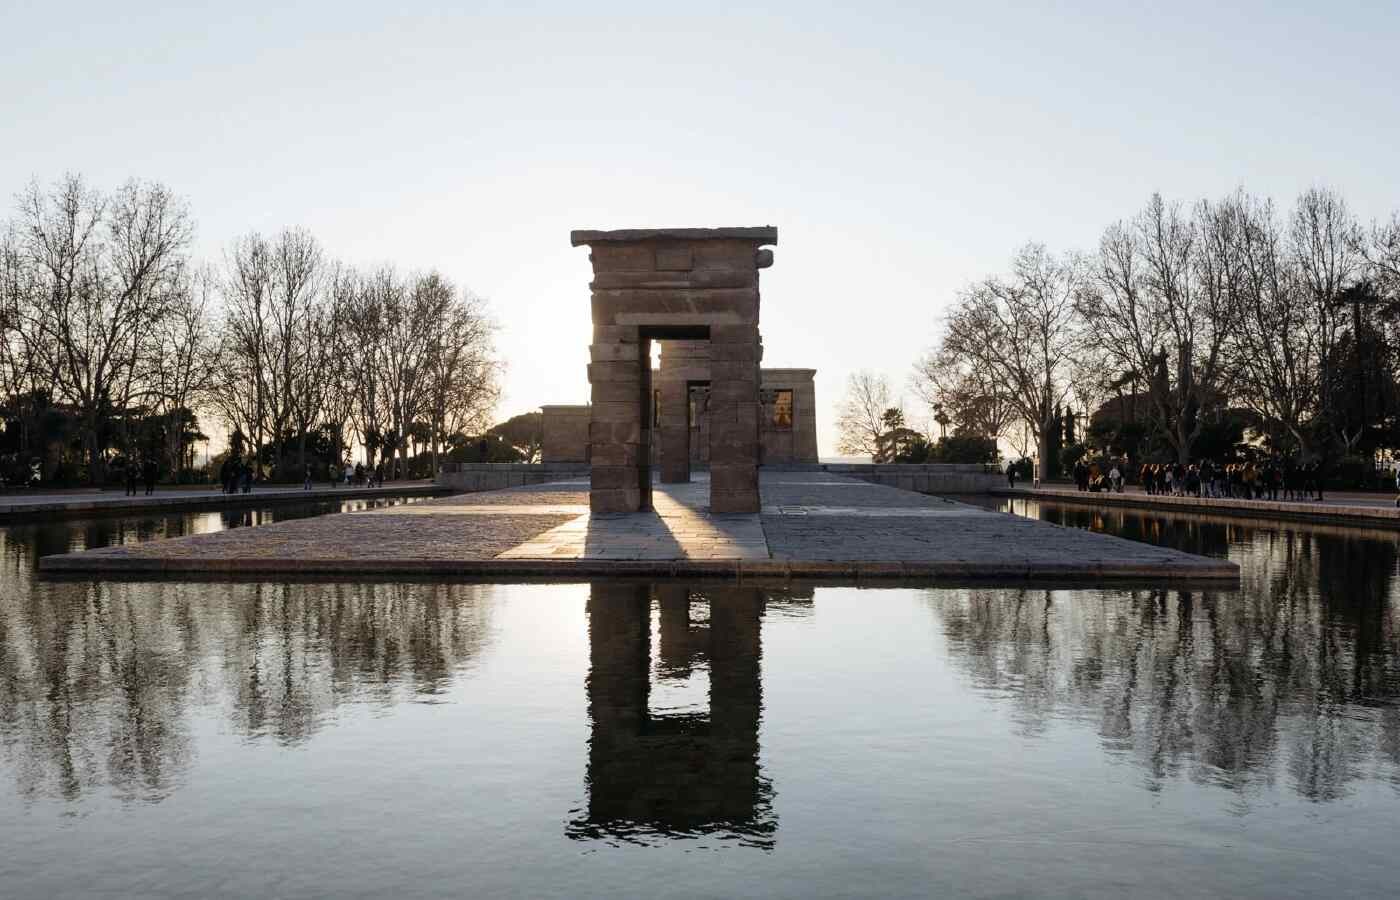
(307, 739)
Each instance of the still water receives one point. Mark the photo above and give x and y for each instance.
(616, 739)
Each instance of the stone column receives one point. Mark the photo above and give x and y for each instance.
(675, 431)
(733, 418)
(736, 694)
(804, 420)
(682, 362)
(618, 690)
(615, 438)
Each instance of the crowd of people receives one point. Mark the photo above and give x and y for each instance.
(359, 475)
(1271, 479)
(236, 476)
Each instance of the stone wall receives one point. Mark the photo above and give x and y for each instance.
(565, 434)
(682, 384)
(932, 478)
(796, 443)
(472, 477)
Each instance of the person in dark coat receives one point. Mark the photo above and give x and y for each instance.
(149, 471)
(130, 474)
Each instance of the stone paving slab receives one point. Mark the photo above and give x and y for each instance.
(812, 526)
(681, 529)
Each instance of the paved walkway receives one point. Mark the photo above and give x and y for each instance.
(811, 525)
(79, 501)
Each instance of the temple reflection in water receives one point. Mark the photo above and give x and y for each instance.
(658, 771)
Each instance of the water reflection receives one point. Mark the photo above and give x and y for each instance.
(23, 542)
(1299, 667)
(1290, 684)
(99, 682)
(673, 772)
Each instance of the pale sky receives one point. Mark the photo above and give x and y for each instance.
(901, 149)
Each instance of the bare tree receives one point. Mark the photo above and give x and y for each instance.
(1023, 332)
(957, 390)
(184, 358)
(411, 316)
(859, 422)
(1382, 254)
(271, 288)
(337, 404)
(1275, 353)
(462, 383)
(297, 352)
(103, 271)
(1326, 241)
(378, 292)
(1167, 288)
(242, 387)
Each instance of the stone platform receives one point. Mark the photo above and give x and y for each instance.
(812, 525)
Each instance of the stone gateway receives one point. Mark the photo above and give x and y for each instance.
(674, 284)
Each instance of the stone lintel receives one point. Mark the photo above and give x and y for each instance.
(762, 234)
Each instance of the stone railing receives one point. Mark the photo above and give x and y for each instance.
(928, 478)
(471, 477)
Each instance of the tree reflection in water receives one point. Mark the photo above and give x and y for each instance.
(1297, 674)
(98, 682)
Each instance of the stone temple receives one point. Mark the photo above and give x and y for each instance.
(709, 403)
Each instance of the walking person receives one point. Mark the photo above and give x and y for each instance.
(130, 474)
(306, 486)
(1011, 475)
(349, 473)
(149, 471)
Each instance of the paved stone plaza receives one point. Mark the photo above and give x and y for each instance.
(812, 524)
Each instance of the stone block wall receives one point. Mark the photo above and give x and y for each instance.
(798, 442)
(930, 478)
(472, 477)
(684, 436)
(565, 434)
